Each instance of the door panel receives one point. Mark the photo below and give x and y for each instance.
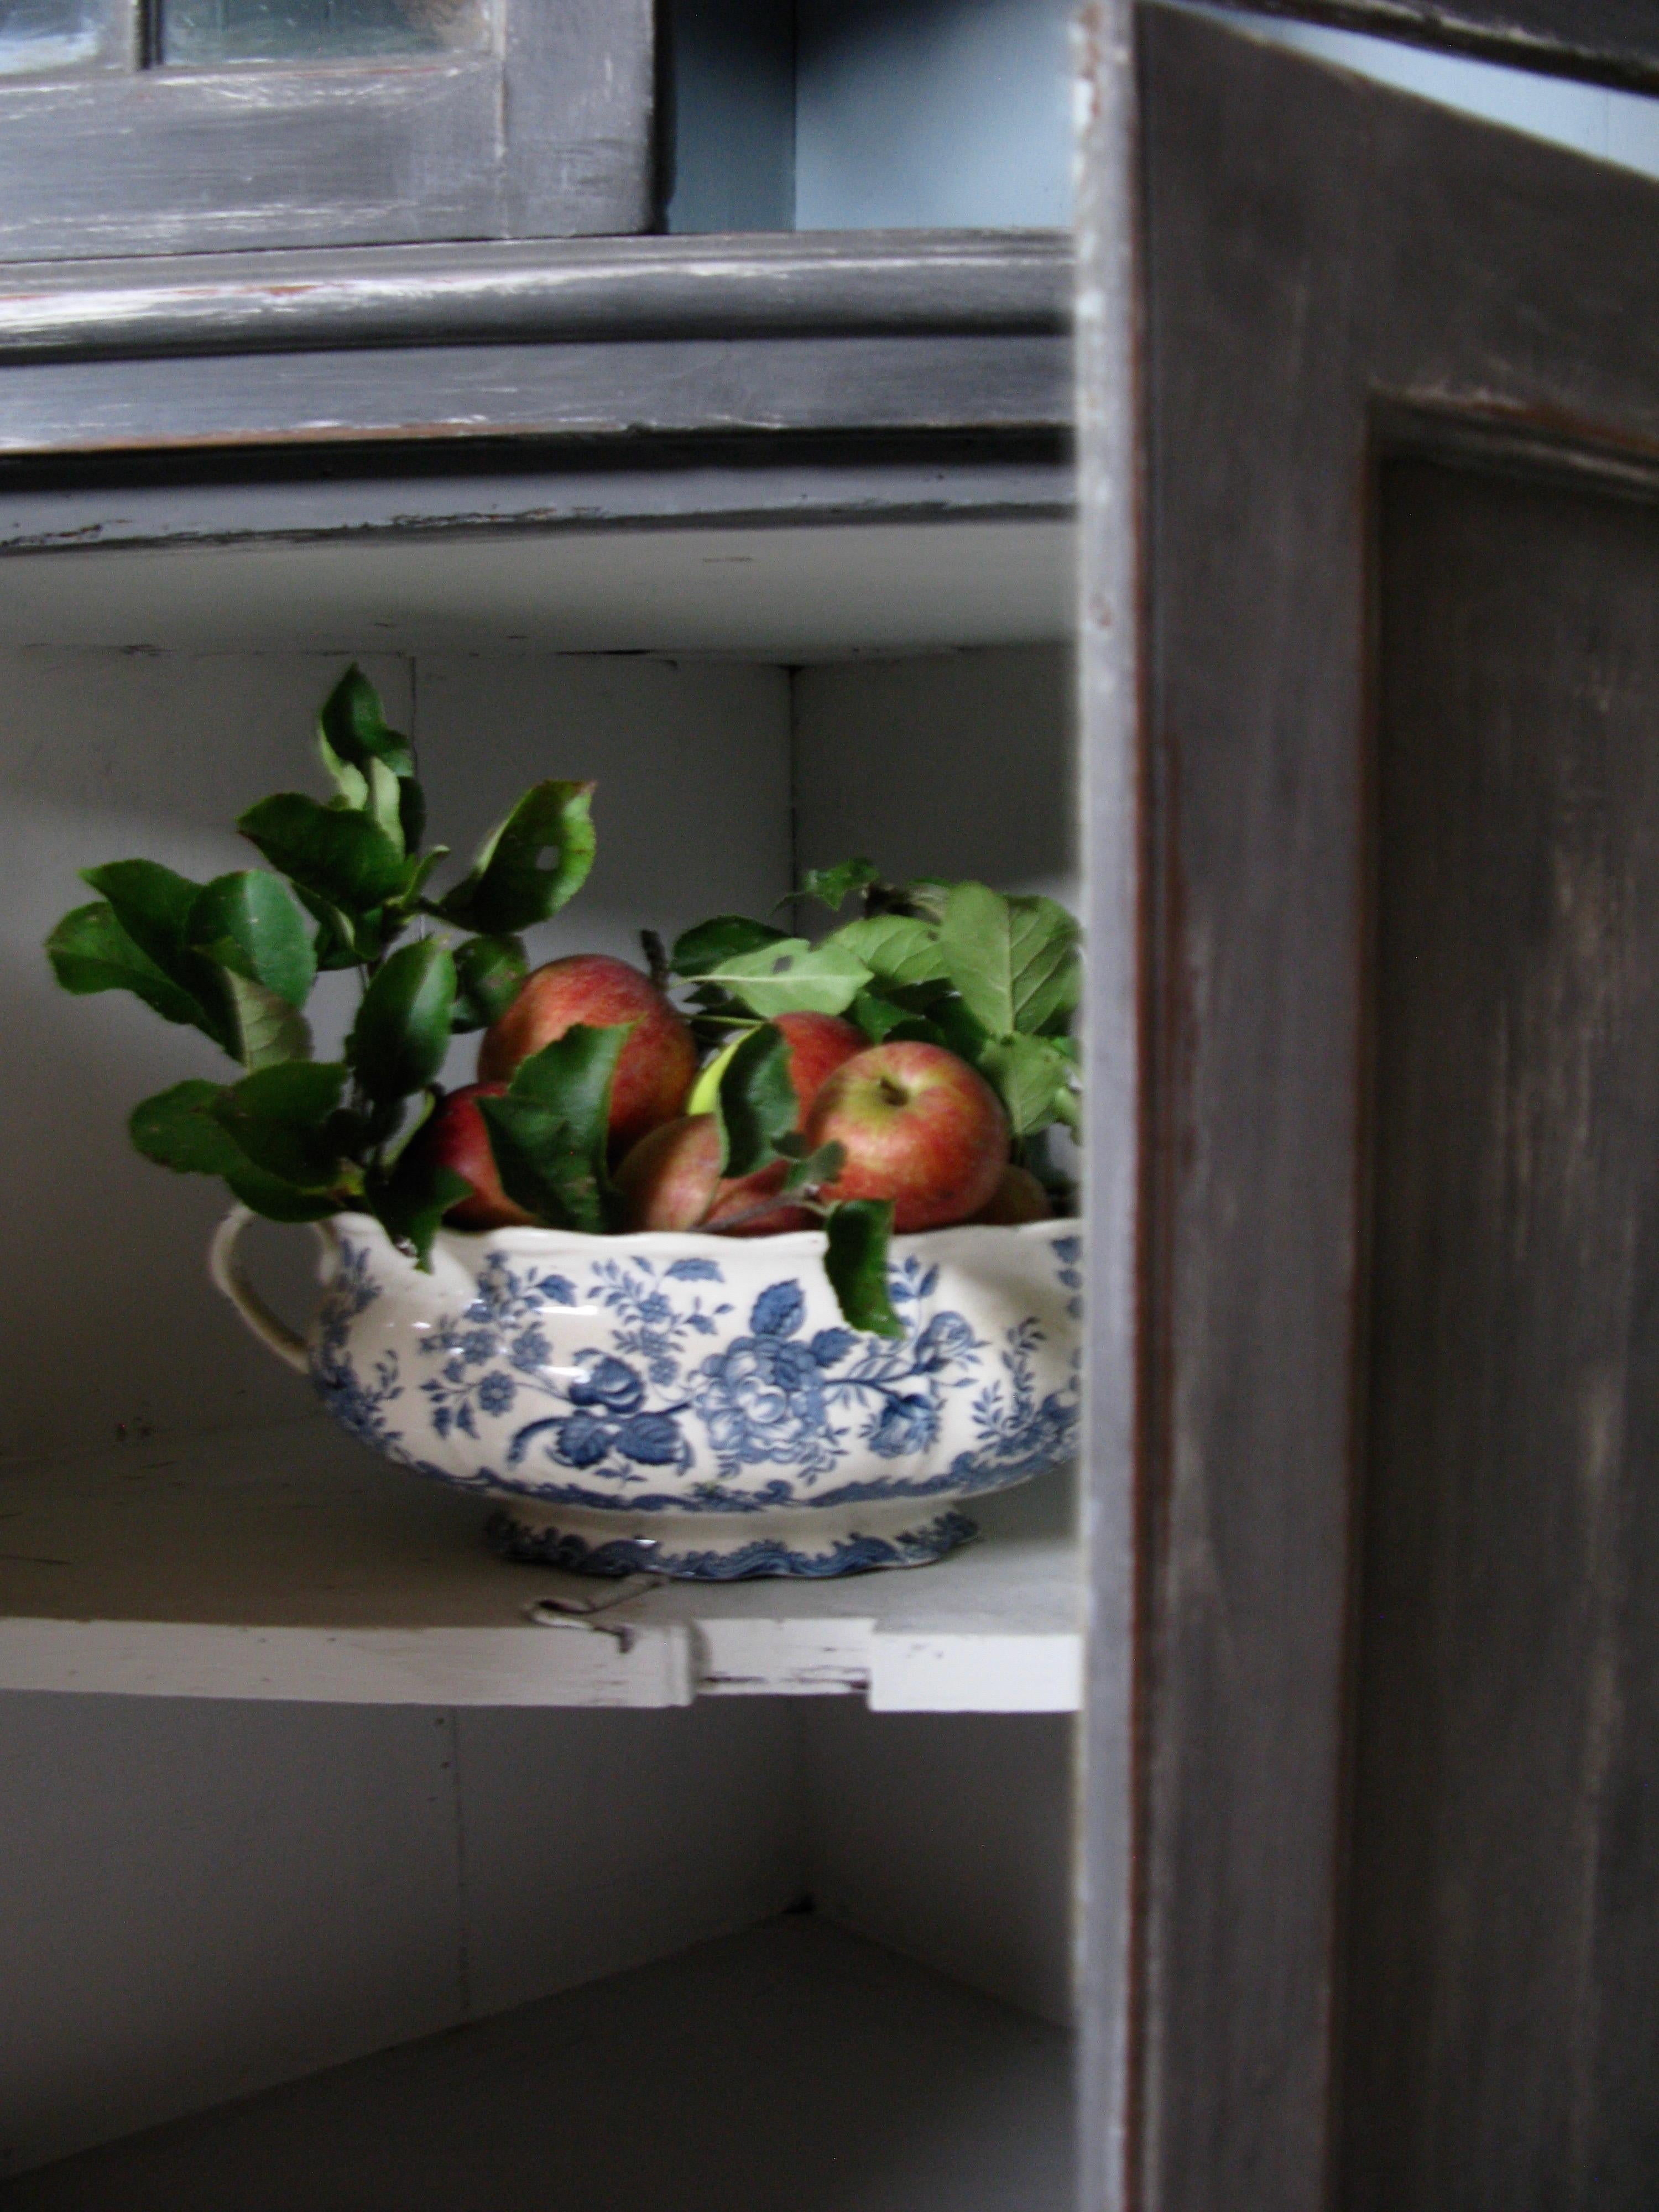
(1503, 1950)
(1331, 274)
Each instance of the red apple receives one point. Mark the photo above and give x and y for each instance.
(671, 1179)
(658, 1062)
(1018, 1197)
(454, 1136)
(918, 1126)
(818, 1045)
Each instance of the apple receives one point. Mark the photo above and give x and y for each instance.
(671, 1179)
(454, 1136)
(818, 1045)
(658, 1062)
(918, 1126)
(1018, 1197)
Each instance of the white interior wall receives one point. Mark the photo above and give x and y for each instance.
(198, 1899)
(955, 764)
(948, 1837)
(106, 1318)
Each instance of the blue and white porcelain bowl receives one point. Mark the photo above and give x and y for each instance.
(693, 1405)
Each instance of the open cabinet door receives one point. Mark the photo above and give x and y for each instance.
(1374, 1804)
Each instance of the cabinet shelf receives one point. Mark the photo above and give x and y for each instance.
(791, 2066)
(287, 1562)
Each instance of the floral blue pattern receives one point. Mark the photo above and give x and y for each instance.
(624, 1555)
(681, 1403)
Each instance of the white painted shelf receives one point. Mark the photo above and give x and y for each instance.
(290, 1562)
(792, 2069)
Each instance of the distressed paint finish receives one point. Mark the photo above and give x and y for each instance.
(552, 137)
(1314, 243)
(955, 333)
(1110, 492)
(1608, 41)
(894, 282)
(1505, 1917)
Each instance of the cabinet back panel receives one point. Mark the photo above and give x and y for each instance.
(1503, 1916)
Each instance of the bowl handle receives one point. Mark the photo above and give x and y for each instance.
(228, 1277)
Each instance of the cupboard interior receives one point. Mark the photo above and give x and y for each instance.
(208, 1898)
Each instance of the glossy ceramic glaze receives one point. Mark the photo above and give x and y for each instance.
(693, 1405)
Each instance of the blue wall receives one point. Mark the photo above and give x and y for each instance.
(873, 114)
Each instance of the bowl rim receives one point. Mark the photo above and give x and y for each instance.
(466, 1244)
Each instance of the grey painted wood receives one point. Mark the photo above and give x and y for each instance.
(1110, 599)
(1608, 41)
(419, 395)
(1503, 2006)
(1311, 241)
(959, 333)
(552, 136)
(896, 283)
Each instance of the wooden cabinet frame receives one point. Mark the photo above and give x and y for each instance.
(1287, 274)
(547, 134)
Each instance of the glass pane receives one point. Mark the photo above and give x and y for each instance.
(204, 32)
(51, 34)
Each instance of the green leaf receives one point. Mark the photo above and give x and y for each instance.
(508, 888)
(342, 858)
(1014, 960)
(549, 1133)
(833, 887)
(412, 811)
(281, 1118)
(573, 1076)
(153, 905)
(813, 1170)
(859, 1231)
(248, 922)
(264, 1028)
(488, 973)
(896, 948)
(401, 1034)
(90, 951)
(877, 1015)
(384, 805)
(541, 1165)
(177, 1129)
(755, 1101)
(728, 936)
(790, 976)
(352, 723)
(334, 943)
(1034, 1079)
(351, 784)
(410, 1201)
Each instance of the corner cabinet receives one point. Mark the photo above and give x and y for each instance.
(1292, 596)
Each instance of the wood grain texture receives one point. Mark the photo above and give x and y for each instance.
(1314, 245)
(1503, 2012)
(1607, 41)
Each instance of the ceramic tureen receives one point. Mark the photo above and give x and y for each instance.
(695, 1405)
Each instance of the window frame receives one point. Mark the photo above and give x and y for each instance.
(549, 135)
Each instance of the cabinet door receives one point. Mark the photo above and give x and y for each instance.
(170, 126)
(1373, 668)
